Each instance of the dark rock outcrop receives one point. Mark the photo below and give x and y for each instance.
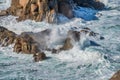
(116, 76)
(6, 37)
(48, 10)
(35, 43)
(95, 4)
(75, 36)
(67, 45)
(65, 8)
(39, 56)
(26, 44)
(22, 43)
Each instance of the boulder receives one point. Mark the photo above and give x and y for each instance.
(116, 76)
(39, 56)
(67, 45)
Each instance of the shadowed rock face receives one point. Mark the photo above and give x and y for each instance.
(65, 8)
(116, 76)
(96, 4)
(6, 37)
(48, 10)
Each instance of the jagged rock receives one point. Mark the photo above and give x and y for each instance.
(17, 46)
(67, 45)
(96, 4)
(25, 44)
(22, 43)
(71, 36)
(74, 35)
(48, 10)
(39, 56)
(6, 37)
(35, 43)
(51, 16)
(116, 76)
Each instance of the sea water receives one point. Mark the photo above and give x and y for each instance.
(90, 63)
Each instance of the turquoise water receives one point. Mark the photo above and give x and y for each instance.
(92, 63)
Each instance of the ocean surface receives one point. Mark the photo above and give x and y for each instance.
(90, 63)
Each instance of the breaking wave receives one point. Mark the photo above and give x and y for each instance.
(90, 63)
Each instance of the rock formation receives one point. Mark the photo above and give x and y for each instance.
(22, 43)
(48, 10)
(36, 43)
(75, 36)
(6, 37)
(116, 76)
(26, 44)
(39, 57)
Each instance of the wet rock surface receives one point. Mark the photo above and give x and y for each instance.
(39, 56)
(116, 76)
(36, 43)
(48, 10)
(6, 37)
(22, 43)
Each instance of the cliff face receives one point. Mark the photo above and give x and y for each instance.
(39, 10)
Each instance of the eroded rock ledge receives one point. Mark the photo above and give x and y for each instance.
(48, 10)
(35, 43)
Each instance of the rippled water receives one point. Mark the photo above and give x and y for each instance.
(92, 63)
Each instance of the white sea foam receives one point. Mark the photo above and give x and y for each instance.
(90, 63)
(105, 2)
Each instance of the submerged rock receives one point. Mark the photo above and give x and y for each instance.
(116, 76)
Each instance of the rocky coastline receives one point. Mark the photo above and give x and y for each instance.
(35, 43)
(47, 10)
(40, 10)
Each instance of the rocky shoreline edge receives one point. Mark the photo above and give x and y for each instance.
(26, 44)
(48, 10)
(34, 43)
